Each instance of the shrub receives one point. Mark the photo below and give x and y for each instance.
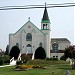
(25, 58)
(40, 53)
(63, 57)
(51, 58)
(19, 62)
(14, 52)
(1, 61)
(48, 58)
(55, 58)
(36, 66)
(6, 59)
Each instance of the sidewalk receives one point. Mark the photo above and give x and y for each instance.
(6, 65)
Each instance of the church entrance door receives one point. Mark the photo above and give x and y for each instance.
(29, 49)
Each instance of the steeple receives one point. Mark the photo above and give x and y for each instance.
(45, 16)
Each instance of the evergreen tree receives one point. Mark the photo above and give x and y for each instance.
(7, 50)
(40, 53)
(14, 52)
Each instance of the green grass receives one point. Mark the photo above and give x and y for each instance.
(58, 67)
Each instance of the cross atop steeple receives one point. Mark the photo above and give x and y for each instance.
(45, 4)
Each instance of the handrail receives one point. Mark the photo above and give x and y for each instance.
(11, 59)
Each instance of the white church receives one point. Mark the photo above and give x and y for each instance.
(28, 38)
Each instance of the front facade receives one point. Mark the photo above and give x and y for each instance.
(28, 38)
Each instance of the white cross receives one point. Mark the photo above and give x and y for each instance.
(29, 18)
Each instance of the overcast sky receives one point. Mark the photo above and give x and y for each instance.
(62, 19)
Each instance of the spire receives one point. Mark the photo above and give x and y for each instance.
(45, 15)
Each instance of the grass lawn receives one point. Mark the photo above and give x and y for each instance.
(58, 67)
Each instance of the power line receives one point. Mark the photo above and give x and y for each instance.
(37, 6)
(61, 4)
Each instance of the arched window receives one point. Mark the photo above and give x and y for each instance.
(17, 45)
(28, 37)
(55, 47)
(29, 49)
(28, 45)
(40, 45)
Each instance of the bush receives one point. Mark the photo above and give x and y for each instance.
(18, 62)
(63, 57)
(14, 52)
(40, 53)
(36, 66)
(25, 58)
(48, 58)
(55, 58)
(6, 59)
(51, 58)
(1, 61)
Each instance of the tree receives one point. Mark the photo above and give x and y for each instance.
(70, 52)
(14, 52)
(1, 53)
(40, 53)
(7, 50)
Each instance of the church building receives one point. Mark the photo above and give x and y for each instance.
(28, 38)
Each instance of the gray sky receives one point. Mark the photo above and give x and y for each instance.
(62, 19)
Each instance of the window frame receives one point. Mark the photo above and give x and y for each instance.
(29, 37)
(55, 47)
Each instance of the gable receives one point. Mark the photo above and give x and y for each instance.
(29, 27)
